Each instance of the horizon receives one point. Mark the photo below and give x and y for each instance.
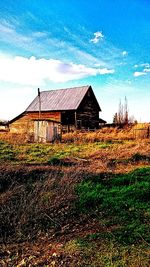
(65, 44)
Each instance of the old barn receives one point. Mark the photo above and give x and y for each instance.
(73, 108)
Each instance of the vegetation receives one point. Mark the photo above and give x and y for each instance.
(76, 203)
(122, 201)
(122, 116)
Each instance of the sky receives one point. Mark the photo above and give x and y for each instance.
(54, 44)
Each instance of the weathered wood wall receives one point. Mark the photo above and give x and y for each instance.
(46, 131)
(88, 112)
(25, 123)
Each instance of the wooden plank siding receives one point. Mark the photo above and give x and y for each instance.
(85, 117)
(46, 131)
(25, 124)
(88, 112)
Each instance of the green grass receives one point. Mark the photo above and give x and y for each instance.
(47, 153)
(123, 202)
(7, 152)
(95, 251)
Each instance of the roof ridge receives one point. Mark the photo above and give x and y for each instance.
(65, 88)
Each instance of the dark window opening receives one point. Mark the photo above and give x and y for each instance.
(79, 124)
(67, 118)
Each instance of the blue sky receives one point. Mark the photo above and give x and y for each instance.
(66, 43)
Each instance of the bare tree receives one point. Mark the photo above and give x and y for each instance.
(126, 112)
(120, 113)
(122, 116)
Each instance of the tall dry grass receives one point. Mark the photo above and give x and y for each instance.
(14, 138)
(105, 134)
(130, 132)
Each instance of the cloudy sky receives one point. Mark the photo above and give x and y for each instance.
(54, 44)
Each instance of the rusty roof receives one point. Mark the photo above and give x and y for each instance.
(60, 99)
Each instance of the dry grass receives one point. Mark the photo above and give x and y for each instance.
(37, 199)
(105, 134)
(13, 138)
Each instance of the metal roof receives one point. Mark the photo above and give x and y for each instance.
(61, 99)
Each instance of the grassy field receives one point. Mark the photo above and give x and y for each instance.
(84, 202)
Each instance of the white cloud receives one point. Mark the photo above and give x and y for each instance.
(32, 71)
(67, 48)
(124, 53)
(98, 36)
(105, 71)
(145, 65)
(146, 70)
(139, 73)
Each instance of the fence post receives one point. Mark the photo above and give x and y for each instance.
(148, 132)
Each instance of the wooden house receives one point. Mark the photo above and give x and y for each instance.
(73, 108)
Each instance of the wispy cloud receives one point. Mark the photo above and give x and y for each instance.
(33, 71)
(142, 69)
(146, 70)
(14, 35)
(9, 35)
(46, 44)
(98, 36)
(65, 46)
(145, 65)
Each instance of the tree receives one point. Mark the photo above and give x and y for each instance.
(122, 116)
(115, 118)
(120, 113)
(126, 112)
